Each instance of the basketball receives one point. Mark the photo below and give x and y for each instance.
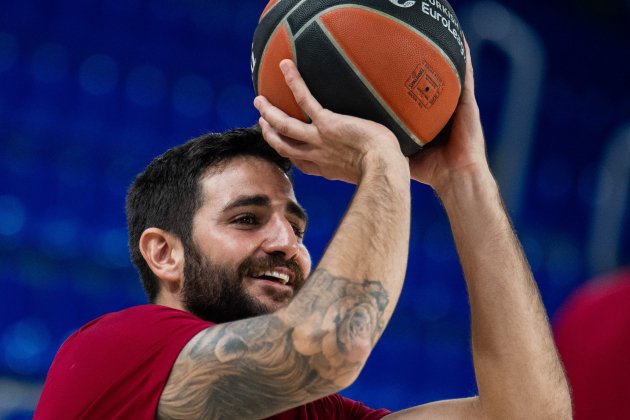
(399, 63)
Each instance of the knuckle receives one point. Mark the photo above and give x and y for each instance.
(283, 127)
(301, 99)
(282, 149)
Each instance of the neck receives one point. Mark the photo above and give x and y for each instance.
(168, 299)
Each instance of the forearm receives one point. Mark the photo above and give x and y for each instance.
(517, 367)
(350, 297)
(372, 241)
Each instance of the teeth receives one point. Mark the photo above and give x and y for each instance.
(284, 278)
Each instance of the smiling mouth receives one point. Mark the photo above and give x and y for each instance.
(275, 276)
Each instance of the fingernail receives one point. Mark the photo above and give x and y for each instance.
(257, 101)
(284, 66)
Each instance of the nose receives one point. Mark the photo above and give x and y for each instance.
(280, 238)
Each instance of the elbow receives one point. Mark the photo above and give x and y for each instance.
(350, 347)
(353, 363)
(335, 359)
(343, 364)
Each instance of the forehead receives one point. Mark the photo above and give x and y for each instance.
(245, 175)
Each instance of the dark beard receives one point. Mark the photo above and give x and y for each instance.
(215, 293)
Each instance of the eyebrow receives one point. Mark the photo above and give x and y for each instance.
(263, 201)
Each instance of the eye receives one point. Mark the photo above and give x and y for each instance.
(245, 219)
(299, 232)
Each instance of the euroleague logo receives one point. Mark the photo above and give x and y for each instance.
(405, 4)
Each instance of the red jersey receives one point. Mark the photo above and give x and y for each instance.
(117, 366)
(592, 331)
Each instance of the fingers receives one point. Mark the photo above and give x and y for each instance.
(281, 122)
(284, 145)
(469, 82)
(300, 91)
(290, 137)
(289, 148)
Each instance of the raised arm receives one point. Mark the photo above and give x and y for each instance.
(318, 344)
(518, 372)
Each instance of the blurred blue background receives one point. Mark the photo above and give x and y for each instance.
(92, 90)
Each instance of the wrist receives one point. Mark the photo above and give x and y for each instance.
(384, 162)
(472, 182)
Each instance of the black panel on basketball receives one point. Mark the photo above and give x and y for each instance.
(314, 51)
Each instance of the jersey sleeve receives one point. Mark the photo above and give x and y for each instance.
(334, 407)
(117, 365)
(350, 409)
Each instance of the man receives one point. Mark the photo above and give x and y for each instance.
(232, 253)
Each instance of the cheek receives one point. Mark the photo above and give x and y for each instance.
(227, 249)
(304, 259)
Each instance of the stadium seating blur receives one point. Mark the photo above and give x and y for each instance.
(91, 91)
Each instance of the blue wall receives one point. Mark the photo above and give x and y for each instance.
(90, 91)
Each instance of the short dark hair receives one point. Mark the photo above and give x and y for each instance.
(167, 194)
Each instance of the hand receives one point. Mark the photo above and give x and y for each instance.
(334, 146)
(463, 152)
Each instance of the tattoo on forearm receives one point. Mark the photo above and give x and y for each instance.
(260, 366)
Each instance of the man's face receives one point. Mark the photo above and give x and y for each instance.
(248, 257)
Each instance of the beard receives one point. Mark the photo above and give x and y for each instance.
(215, 292)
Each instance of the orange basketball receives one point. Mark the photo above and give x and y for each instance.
(400, 63)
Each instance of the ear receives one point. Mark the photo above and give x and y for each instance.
(164, 254)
